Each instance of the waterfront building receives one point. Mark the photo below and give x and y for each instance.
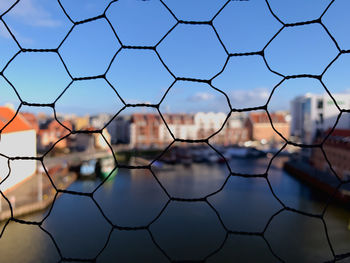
(100, 142)
(81, 123)
(120, 129)
(144, 130)
(17, 139)
(149, 130)
(100, 120)
(337, 149)
(181, 125)
(32, 119)
(81, 142)
(234, 132)
(41, 116)
(314, 113)
(208, 123)
(138, 130)
(50, 133)
(259, 127)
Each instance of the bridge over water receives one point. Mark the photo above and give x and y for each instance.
(76, 158)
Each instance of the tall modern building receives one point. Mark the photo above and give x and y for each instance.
(312, 113)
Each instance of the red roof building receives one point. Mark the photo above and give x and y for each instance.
(145, 129)
(18, 138)
(15, 123)
(337, 149)
(52, 134)
(260, 128)
(31, 119)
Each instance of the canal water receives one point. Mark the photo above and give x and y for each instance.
(185, 230)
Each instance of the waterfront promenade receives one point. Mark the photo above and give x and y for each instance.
(325, 182)
(34, 193)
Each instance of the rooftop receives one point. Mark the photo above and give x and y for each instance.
(17, 124)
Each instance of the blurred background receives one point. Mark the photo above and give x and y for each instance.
(174, 130)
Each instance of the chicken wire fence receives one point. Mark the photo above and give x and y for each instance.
(204, 199)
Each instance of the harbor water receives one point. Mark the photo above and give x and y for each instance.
(181, 230)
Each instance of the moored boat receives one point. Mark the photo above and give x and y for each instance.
(106, 167)
(87, 170)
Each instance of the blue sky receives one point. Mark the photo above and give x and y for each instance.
(191, 51)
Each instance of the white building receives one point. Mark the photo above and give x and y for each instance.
(234, 132)
(181, 125)
(313, 112)
(100, 120)
(17, 139)
(149, 129)
(191, 126)
(208, 123)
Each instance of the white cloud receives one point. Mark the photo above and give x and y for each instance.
(249, 98)
(32, 13)
(201, 96)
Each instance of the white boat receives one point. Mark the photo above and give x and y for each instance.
(87, 169)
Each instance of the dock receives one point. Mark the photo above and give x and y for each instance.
(319, 180)
(33, 194)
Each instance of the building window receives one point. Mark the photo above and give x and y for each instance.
(321, 118)
(320, 104)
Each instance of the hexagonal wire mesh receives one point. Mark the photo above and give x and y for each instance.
(154, 48)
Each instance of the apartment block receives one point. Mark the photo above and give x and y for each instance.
(314, 113)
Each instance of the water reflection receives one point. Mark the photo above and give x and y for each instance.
(77, 226)
(188, 231)
(131, 246)
(184, 231)
(245, 204)
(134, 199)
(26, 243)
(195, 181)
(299, 238)
(242, 248)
